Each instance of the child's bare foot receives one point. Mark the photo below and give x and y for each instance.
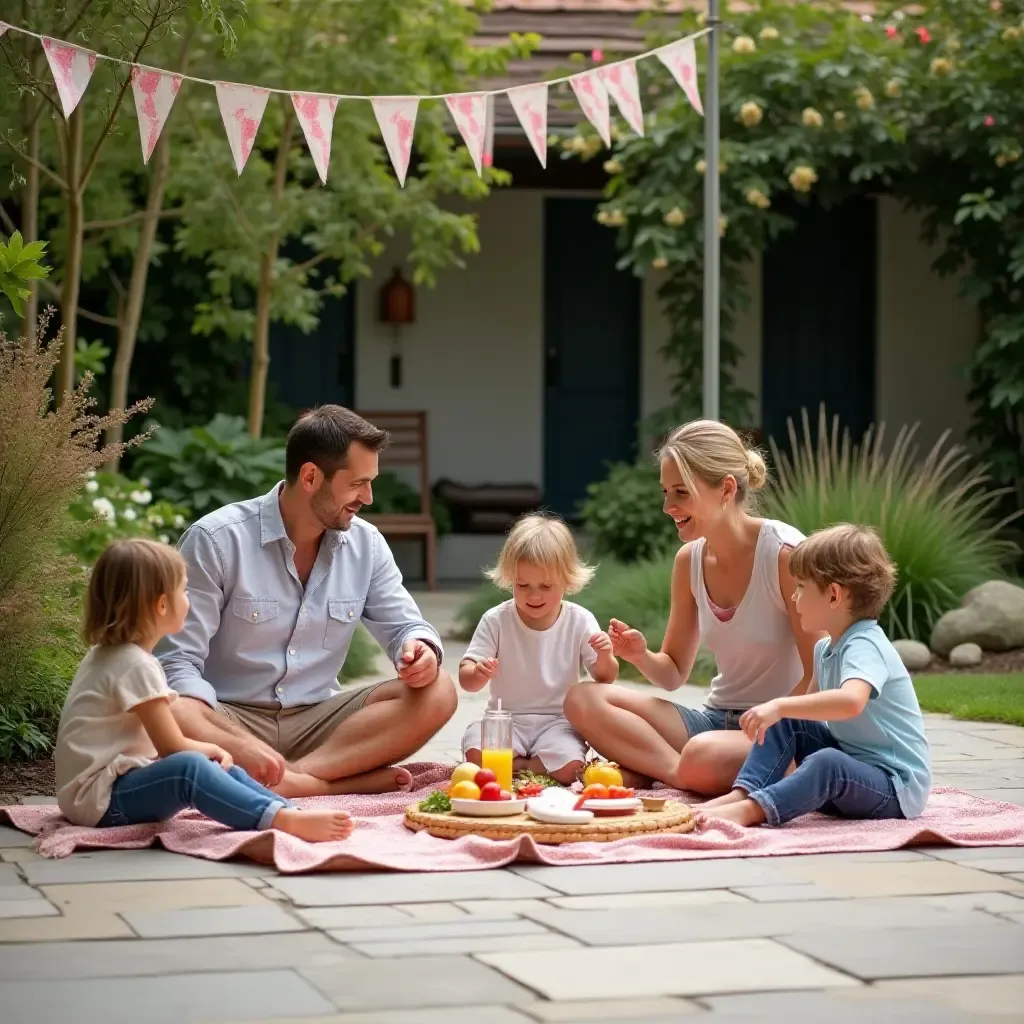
(380, 780)
(634, 780)
(746, 812)
(313, 826)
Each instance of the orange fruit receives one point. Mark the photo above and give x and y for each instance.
(465, 790)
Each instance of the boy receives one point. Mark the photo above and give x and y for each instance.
(857, 736)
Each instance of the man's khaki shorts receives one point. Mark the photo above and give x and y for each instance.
(296, 731)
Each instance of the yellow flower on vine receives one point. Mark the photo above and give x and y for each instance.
(941, 66)
(659, 263)
(751, 114)
(893, 88)
(864, 99)
(768, 33)
(757, 198)
(743, 44)
(812, 118)
(675, 217)
(803, 177)
(613, 167)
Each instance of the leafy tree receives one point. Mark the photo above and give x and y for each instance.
(819, 103)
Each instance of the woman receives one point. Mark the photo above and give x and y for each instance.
(731, 589)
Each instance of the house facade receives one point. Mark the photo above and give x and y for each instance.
(537, 363)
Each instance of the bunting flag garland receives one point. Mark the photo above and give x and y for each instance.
(624, 87)
(242, 106)
(681, 59)
(71, 67)
(530, 102)
(316, 115)
(241, 110)
(396, 118)
(469, 111)
(154, 96)
(593, 100)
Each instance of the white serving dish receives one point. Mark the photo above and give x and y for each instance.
(624, 806)
(488, 808)
(546, 812)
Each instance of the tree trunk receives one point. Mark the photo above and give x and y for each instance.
(131, 313)
(30, 209)
(75, 224)
(261, 329)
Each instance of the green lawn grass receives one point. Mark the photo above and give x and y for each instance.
(976, 698)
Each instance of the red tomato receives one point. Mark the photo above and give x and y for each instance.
(530, 789)
(595, 792)
(484, 776)
(490, 791)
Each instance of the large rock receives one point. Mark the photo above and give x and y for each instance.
(992, 616)
(965, 656)
(915, 655)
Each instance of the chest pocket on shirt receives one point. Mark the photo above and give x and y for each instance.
(255, 609)
(342, 617)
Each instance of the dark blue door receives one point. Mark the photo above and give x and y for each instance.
(592, 354)
(319, 367)
(819, 319)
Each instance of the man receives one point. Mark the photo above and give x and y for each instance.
(277, 586)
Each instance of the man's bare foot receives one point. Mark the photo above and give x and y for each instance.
(747, 813)
(723, 801)
(634, 780)
(313, 826)
(380, 780)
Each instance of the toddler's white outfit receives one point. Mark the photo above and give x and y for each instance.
(536, 667)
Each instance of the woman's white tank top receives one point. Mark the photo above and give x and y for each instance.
(755, 650)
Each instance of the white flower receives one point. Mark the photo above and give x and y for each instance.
(157, 520)
(164, 539)
(743, 44)
(141, 497)
(130, 514)
(91, 486)
(179, 522)
(91, 475)
(105, 508)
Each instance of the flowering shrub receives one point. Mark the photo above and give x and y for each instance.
(113, 507)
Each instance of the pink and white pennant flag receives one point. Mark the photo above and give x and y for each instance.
(530, 102)
(469, 111)
(316, 115)
(241, 110)
(71, 67)
(155, 92)
(621, 82)
(681, 59)
(396, 117)
(593, 99)
(489, 133)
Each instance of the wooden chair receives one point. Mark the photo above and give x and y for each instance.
(408, 448)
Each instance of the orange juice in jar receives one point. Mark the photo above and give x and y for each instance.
(496, 749)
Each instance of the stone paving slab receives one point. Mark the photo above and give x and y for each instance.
(585, 1010)
(464, 945)
(992, 996)
(841, 1007)
(752, 920)
(887, 879)
(17, 891)
(351, 917)
(444, 1015)
(435, 911)
(172, 924)
(136, 957)
(153, 897)
(1007, 796)
(680, 969)
(968, 854)
(437, 887)
(132, 866)
(916, 953)
(63, 928)
(416, 982)
(619, 901)
(11, 837)
(665, 876)
(28, 908)
(468, 927)
(170, 999)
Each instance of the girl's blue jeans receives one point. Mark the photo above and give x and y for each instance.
(159, 790)
(826, 778)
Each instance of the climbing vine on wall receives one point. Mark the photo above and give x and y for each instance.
(817, 104)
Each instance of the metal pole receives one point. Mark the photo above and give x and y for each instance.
(712, 210)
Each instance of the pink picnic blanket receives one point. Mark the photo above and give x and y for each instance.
(381, 840)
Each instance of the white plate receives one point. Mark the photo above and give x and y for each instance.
(608, 806)
(555, 816)
(488, 808)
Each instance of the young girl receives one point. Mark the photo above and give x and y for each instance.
(531, 648)
(120, 757)
(859, 741)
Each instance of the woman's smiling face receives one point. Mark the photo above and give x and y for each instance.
(691, 511)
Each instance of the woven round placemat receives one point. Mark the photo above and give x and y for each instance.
(675, 817)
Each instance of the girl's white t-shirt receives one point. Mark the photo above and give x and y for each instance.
(536, 667)
(99, 738)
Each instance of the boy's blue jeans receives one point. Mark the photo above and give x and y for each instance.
(190, 779)
(826, 778)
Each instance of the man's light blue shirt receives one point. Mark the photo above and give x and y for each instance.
(255, 635)
(889, 732)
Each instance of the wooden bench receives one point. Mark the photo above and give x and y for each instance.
(408, 448)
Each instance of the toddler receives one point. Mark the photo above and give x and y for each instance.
(857, 735)
(531, 648)
(121, 758)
